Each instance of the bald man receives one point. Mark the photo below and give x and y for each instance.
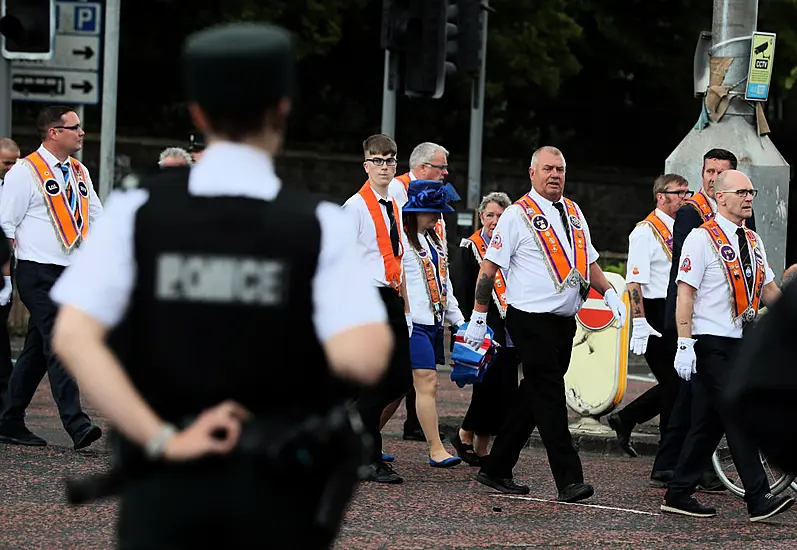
(723, 278)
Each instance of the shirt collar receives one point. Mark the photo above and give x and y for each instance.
(234, 169)
(668, 221)
(726, 225)
(412, 176)
(544, 203)
(712, 203)
(379, 197)
(51, 159)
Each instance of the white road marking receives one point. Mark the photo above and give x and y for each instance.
(630, 511)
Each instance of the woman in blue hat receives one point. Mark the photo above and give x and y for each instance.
(432, 302)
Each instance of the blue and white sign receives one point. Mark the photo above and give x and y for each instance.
(71, 76)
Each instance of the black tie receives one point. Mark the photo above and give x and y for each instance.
(744, 253)
(560, 207)
(394, 236)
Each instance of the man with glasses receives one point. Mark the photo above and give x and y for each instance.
(723, 277)
(692, 214)
(648, 269)
(47, 206)
(377, 217)
(9, 155)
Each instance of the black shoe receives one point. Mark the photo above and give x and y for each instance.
(770, 506)
(575, 492)
(660, 479)
(710, 483)
(87, 436)
(381, 472)
(465, 451)
(21, 436)
(687, 507)
(503, 484)
(623, 431)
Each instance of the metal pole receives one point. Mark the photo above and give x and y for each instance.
(477, 124)
(109, 82)
(389, 95)
(733, 23)
(80, 112)
(5, 97)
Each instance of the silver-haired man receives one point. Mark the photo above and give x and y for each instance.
(172, 157)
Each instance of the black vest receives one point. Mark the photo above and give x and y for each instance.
(222, 307)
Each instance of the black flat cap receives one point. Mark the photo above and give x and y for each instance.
(196, 142)
(238, 67)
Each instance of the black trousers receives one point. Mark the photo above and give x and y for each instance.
(660, 357)
(710, 416)
(544, 343)
(411, 423)
(493, 397)
(226, 503)
(397, 381)
(34, 282)
(5, 350)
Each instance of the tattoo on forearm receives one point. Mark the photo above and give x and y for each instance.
(683, 323)
(484, 289)
(637, 302)
(635, 296)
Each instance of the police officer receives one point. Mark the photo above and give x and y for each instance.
(692, 214)
(723, 278)
(9, 155)
(223, 425)
(544, 242)
(649, 258)
(196, 146)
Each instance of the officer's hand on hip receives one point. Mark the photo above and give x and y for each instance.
(477, 328)
(215, 431)
(613, 301)
(639, 338)
(685, 359)
(5, 292)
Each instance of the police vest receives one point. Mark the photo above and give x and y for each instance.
(222, 306)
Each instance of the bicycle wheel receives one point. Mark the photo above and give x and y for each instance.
(726, 471)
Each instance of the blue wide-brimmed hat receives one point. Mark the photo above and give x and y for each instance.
(430, 196)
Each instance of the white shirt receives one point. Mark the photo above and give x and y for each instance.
(648, 263)
(529, 285)
(420, 305)
(367, 245)
(701, 268)
(396, 189)
(24, 215)
(342, 297)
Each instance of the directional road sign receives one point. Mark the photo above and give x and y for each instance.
(71, 76)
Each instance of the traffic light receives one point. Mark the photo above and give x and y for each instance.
(28, 28)
(469, 38)
(425, 60)
(395, 18)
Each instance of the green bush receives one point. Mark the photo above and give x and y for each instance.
(613, 267)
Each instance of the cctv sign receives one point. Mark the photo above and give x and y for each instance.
(762, 56)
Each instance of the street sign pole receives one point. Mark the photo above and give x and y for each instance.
(109, 82)
(5, 98)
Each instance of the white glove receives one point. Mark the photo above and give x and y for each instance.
(408, 317)
(639, 338)
(685, 358)
(611, 299)
(477, 328)
(5, 293)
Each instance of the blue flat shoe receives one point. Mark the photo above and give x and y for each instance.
(387, 457)
(447, 463)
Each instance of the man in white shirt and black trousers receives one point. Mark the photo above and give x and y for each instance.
(9, 155)
(209, 279)
(647, 275)
(47, 208)
(544, 242)
(377, 219)
(723, 278)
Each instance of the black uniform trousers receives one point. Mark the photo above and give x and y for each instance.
(710, 416)
(34, 281)
(5, 343)
(660, 356)
(544, 342)
(230, 502)
(397, 381)
(493, 397)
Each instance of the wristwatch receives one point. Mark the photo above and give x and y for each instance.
(155, 447)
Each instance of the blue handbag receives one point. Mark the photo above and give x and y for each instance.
(469, 365)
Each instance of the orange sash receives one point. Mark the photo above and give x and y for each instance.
(440, 226)
(392, 263)
(660, 231)
(479, 246)
(559, 266)
(699, 201)
(744, 302)
(71, 226)
(438, 297)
